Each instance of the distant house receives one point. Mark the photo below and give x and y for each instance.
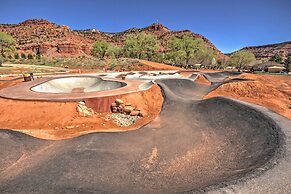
(276, 69)
(248, 68)
(266, 65)
(197, 66)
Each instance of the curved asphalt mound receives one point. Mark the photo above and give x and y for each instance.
(219, 76)
(193, 76)
(194, 144)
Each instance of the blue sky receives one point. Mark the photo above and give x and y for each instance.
(229, 24)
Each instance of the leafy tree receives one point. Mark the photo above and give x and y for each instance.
(205, 56)
(114, 51)
(222, 63)
(141, 46)
(7, 43)
(241, 58)
(159, 57)
(181, 50)
(175, 57)
(276, 58)
(16, 56)
(23, 56)
(288, 64)
(100, 48)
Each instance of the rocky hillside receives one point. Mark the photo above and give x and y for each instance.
(267, 51)
(43, 37)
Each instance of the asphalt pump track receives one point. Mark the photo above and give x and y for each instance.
(213, 145)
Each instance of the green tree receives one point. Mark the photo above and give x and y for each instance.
(276, 58)
(114, 51)
(141, 46)
(288, 64)
(16, 56)
(23, 56)
(222, 63)
(100, 48)
(181, 50)
(241, 58)
(205, 56)
(7, 43)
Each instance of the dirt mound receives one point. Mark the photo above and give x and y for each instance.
(248, 76)
(159, 66)
(201, 79)
(256, 92)
(60, 120)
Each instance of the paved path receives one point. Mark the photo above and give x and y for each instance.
(214, 145)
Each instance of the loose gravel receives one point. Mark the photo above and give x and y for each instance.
(121, 119)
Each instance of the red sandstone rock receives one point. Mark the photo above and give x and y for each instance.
(46, 38)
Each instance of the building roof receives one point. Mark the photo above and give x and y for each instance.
(276, 67)
(268, 64)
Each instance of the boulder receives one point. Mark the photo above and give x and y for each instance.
(127, 110)
(134, 113)
(119, 101)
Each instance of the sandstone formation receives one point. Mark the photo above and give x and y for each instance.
(267, 51)
(38, 36)
(83, 110)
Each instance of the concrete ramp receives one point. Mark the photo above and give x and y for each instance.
(220, 76)
(77, 84)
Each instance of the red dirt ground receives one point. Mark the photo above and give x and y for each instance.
(271, 91)
(60, 120)
(201, 79)
(159, 66)
(6, 84)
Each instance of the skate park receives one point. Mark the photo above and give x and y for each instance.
(194, 145)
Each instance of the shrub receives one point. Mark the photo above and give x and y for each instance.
(276, 58)
(23, 56)
(29, 56)
(16, 56)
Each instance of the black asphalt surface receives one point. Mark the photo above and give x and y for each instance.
(194, 145)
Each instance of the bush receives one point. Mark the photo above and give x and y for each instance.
(23, 56)
(276, 58)
(100, 48)
(9, 57)
(16, 56)
(29, 56)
